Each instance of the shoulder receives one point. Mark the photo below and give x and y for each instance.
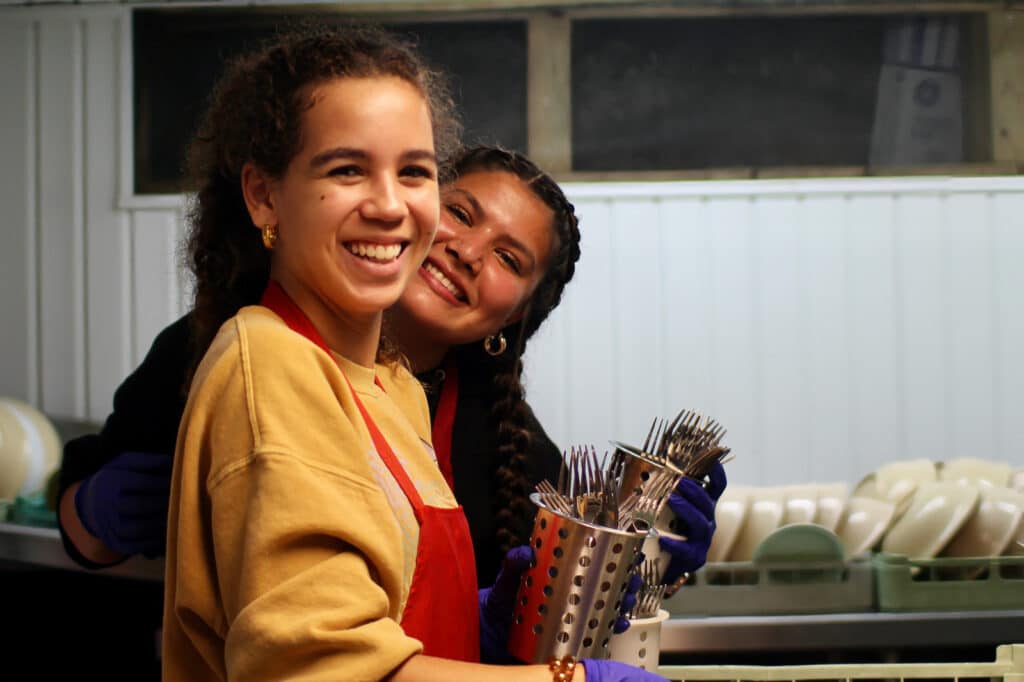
(262, 387)
(264, 346)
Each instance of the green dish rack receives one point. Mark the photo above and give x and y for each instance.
(751, 589)
(905, 584)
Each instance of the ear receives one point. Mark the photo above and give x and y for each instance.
(256, 190)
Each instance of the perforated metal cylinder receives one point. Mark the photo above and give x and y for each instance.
(569, 599)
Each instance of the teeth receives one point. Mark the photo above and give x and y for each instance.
(440, 277)
(377, 252)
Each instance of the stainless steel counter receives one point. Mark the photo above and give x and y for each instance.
(42, 547)
(839, 631)
(692, 635)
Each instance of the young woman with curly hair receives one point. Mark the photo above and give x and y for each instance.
(310, 532)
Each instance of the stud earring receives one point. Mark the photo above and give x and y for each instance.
(269, 236)
(495, 345)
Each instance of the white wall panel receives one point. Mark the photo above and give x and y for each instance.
(18, 290)
(970, 331)
(154, 276)
(922, 278)
(590, 340)
(736, 389)
(779, 318)
(635, 311)
(60, 204)
(831, 326)
(687, 305)
(108, 257)
(825, 415)
(876, 401)
(1007, 216)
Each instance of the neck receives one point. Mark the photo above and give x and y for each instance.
(353, 336)
(422, 352)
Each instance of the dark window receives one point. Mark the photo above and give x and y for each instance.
(669, 94)
(178, 55)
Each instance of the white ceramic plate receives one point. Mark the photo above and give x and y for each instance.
(1017, 480)
(977, 471)
(16, 465)
(763, 516)
(801, 503)
(730, 514)
(45, 434)
(939, 509)
(897, 481)
(1016, 546)
(992, 527)
(867, 487)
(863, 524)
(831, 503)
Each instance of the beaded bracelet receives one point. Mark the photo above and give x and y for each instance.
(562, 669)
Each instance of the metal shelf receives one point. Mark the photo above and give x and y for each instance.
(837, 631)
(715, 634)
(42, 547)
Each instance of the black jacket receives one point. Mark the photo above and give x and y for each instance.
(148, 406)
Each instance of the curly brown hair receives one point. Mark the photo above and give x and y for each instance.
(255, 116)
(512, 507)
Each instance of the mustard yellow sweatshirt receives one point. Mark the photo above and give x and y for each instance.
(290, 547)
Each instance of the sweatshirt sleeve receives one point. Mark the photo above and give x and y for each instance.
(308, 602)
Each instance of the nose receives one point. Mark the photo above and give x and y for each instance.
(467, 250)
(384, 201)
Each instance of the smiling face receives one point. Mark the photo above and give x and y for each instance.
(356, 208)
(491, 250)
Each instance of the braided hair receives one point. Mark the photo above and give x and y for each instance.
(255, 116)
(512, 507)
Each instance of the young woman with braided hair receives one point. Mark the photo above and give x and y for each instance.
(506, 246)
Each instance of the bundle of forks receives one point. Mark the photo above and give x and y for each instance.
(628, 491)
(689, 445)
(591, 493)
(651, 593)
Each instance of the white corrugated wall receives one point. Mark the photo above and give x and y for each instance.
(830, 325)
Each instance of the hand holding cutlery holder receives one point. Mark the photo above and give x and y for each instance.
(588, 533)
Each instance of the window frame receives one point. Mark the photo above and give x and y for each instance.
(993, 74)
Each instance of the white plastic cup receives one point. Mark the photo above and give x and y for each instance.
(640, 645)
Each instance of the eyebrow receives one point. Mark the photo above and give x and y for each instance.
(478, 208)
(353, 153)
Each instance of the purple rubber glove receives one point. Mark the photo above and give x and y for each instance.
(628, 601)
(497, 603)
(694, 507)
(124, 504)
(614, 671)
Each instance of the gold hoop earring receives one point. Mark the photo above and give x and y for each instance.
(495, 345)
(269, 236)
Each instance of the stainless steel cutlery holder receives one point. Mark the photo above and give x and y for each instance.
(569, 598)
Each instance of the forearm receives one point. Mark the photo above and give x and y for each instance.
(420, 668)
(92, 548)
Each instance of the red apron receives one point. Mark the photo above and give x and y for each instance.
(441, 610)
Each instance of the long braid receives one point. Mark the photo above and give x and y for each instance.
(512, 507)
